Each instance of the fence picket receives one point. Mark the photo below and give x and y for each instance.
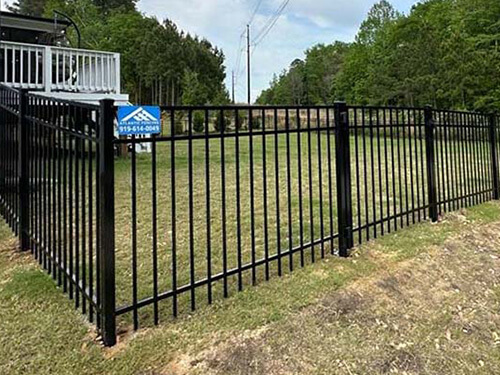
(494, 156)
(23, 159)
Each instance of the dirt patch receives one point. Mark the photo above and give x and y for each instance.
(239, 355)
(436, 313)
(398, 361)
(390, 285)
(342, 305)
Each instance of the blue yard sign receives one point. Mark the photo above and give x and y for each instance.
(137, 120)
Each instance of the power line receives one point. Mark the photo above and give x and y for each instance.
(249, 76)
(260, 36)
(255, 12)
(240, 50)
(270, 24)
(240, 68)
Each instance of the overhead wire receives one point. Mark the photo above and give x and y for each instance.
(240, 50)
(238, 56)
(264, 31)
(254, 12)
(270, 24)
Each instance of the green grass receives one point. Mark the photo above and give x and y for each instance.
(40, 333)
(374, 194)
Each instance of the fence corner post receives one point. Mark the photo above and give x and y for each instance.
(23, 172)
(343, 164)
(494, 156)
(431, 165)
(107, 223)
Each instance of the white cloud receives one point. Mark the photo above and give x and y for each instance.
(299, 27)
(303, 24)
(329, 13)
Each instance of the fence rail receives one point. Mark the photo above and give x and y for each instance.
(227, 197)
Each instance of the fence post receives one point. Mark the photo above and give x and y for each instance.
(431, 165)
(107, 222)
(494, 156)
(343, 164)
(23, 170)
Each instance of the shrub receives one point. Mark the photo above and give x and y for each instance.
(242, 119)
(221, 122)
(198, 122)
(256, 122)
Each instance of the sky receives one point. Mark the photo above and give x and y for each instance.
(302, 24)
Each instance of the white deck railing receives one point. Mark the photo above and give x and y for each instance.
(50, 68)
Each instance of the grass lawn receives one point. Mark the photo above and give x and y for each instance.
(421, 300)
(377, 192)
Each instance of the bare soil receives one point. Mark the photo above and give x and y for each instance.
(434, 314)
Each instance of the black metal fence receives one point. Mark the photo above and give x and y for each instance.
(51, 195)
(9, 157)
(225, 197)
(230, 196)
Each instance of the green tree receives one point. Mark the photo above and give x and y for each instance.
(159, 63)
(444, 52)
(194, 93)
(107, 6)
(28, 7)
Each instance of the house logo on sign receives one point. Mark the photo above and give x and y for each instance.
(137, 120)
(140, 114)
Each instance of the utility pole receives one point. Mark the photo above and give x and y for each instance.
(232, 86)
(248, 66)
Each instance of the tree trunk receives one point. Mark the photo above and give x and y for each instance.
(160, 95)
(173, 92)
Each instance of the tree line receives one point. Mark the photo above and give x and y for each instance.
(160, 64)
(444, 52)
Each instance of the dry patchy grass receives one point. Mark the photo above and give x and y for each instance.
(422, 300)
(436, 313)
(375, 194)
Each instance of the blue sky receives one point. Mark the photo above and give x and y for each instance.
(302, 24)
